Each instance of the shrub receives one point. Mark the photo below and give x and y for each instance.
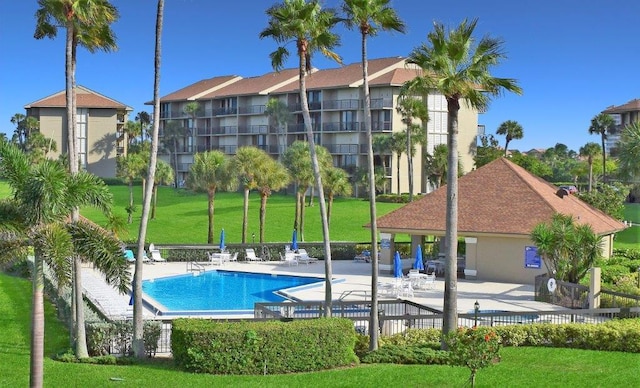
(475, 348)
(422, 354)
(116, 337)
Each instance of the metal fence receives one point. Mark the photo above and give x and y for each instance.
(569, 295)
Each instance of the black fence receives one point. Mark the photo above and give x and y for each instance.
(569, 295)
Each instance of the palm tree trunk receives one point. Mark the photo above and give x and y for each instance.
(450, 319)
(398, 173)
(373, 318)
(301, 223)
(263, 215)
(81, 338)
(36, 374)
(138, 327)
(604, 161)
(211, 195)
(130, 210)
(316, 173)
(296, 217)
(155, 201)
(410, 159)
(590, 175)
(329, 206)
(245, 215)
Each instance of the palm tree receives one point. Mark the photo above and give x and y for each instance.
(398, 146)
(336, 183)
(209, 172)
(458, 68)
(411, 108)
(436, 165)
(88, 24)
(192, 109)
(128, 168)
(512, 130)
(246, 163)
(309, 26)
(138, 340)
(603, 124)
(163, 176)
(369, 16)
(37, 215)
(133, 129)
(279, 113)
(589, 151)
(19, 135)
(270, 176)
(144, 119)
(173, 131)
(629, 151)
(382, 145)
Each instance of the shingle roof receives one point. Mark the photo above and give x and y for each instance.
(498, 198)
(85, 98)
(631, 106)
(256, 85)
(200, 87)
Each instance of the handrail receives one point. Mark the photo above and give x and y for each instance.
(195, 266)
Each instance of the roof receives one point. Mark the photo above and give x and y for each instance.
(85, 98)
(498, 198)
(631, 106)
(256, 85)
(201, 87)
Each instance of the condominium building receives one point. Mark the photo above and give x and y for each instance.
(231, 114)
(623, 115)
(100, 124)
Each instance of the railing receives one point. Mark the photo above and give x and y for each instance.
(253, 129)
(342, 148)
(193, 266)
(618, 299)
(350, 104)
(341, 126)
(569, 295)
(381, 103)
(252, 109)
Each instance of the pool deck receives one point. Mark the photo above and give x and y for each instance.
(349, 277)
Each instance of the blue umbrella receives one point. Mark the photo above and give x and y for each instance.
(419, 265)
(222, 246)
(294, 240)
(397, 266)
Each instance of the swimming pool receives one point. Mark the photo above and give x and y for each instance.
(218, 292)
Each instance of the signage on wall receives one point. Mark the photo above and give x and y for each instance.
(531, 258)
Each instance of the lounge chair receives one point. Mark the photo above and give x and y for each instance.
(303, 257)
(289, 258)
(250, 255)
(131, 258)
(215, 258)
(234, 257)
(155, 254)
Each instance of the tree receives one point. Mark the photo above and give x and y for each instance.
(133, 129)
(436, 165)
(173, 132)
(128, 168)
(145, 120)
(163, 176)
(309, 26)
(337, 183)
(88, 24)
(382, 145)
(589, 151)
(138, 328)
(270, 176)
(458, 68)
(369, 16)
(512, 131)
(608, 198)
(629, 151)
(43, 195)
(398, 147)
(247, 163)
(38, 146)
(411, 108)
(280, 115)
(209, 172)
(602, 124)
(192, 109)
(19, 134)
(488, 151)
(568, 249)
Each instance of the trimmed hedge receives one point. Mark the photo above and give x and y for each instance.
(269, 347)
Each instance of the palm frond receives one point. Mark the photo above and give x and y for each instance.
(53, 243)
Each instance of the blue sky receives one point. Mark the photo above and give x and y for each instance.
(572, 58)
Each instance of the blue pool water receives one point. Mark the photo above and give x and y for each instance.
(219, 290)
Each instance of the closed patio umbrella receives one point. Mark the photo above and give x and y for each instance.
(397, 266)
(294, 240)
(418, 264)
(222, 245)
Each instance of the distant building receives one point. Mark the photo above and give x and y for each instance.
(100, 123)
(232, 114)
(624, 115)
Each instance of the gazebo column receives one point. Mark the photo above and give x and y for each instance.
(387, 244)
(471, 258)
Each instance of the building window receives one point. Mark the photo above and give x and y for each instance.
(81, 127)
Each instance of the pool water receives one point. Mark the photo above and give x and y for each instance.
(220, 290)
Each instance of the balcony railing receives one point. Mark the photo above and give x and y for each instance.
(381, 103)
(380, 126)
(350, 104)
(341, 126)
(173, 114)
(348, 149)
(225, 111)
(253, 129)
(251, 109)
(224, 130)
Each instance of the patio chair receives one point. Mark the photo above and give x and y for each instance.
(303, 257)
(250, 255)
(215, 258)
(155, 254)
(131, 258)
(289, 258)
(234, 257)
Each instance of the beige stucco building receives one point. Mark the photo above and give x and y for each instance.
(100, 122)
(231, 114)
(624, 115)
(499, 204)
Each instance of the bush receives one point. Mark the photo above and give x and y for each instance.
(116, 337)
(422, 354)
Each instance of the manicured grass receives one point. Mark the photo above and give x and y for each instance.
(519, 366)
(181, 217)
(630, 237)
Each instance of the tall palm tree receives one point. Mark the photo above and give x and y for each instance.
(369, 16)
(436, 165)
(629, 151)
(43, 195)
(337, 183)
(279, 113)
(603, 124)
(138, 328)
(512, 131)
(163, 176)
(133, 129)
(458, 67)
(19, 135)
(173, 131)
(398, 147)
(88, 24)
(192, 109)
(309, 26)
(589, 151)
(270, 176)
(144, 119)
(382, 145)
(247, 163)
(411, 108)
(128, 168)
(209, 172)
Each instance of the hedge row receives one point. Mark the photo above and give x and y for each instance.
(269, 347)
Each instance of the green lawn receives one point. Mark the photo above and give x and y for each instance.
(519, 367)
(630, 237)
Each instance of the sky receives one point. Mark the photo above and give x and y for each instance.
(572, 58)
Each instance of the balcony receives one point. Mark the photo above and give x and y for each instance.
(184, 167)
(297, 107)
(381, 103)
(225, 111)
(184, 149)
(341, 126)
(252, 110)
(347, 149)
(299, 128)
(379, 126)
(253, 129)
(351, 104)
(174, 114)
(224, 130)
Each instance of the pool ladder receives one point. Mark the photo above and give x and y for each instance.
(193, 266)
